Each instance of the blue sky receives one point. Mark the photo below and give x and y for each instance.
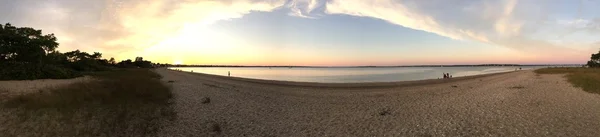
(350, 37)
(321, 32)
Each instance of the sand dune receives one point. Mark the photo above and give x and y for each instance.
(509, 104)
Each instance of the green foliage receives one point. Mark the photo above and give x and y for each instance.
(25, 44)
(594, 60)
(27, 54)
(29, 71)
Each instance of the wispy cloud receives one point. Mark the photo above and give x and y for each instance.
(302, 8)
(494, 22)
(127, 27)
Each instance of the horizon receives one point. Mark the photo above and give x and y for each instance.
(320, 32)
(422, 65)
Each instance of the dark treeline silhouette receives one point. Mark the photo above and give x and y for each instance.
(594, 61)
(138, 63)
(26, 53)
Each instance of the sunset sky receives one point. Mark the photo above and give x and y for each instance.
(319, 32)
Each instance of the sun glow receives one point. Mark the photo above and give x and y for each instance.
(178, 62)
(200, 44)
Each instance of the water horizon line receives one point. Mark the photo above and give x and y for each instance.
(376, 66)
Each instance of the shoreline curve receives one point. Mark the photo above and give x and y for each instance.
(345, 85)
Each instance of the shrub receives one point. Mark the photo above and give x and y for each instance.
(130, 102)
(30, 71)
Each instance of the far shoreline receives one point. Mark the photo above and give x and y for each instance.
(460, 65)
(345, 85)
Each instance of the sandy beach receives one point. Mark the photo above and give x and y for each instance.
(510, 104)
(519, 103)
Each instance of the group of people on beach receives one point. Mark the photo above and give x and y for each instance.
(447, 75)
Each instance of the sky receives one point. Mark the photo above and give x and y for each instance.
(319, 32)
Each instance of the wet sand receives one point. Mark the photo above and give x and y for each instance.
(510, 104)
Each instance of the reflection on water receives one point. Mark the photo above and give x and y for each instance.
(348, 75)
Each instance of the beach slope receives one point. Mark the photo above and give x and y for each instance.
(510, 104)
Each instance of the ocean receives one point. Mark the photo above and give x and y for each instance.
(349, 74)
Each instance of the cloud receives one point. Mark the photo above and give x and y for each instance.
(507, 23)
(145, 24)
(302, 8)
(126, 28)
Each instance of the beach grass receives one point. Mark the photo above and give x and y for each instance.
(586, 78)
(127, 102)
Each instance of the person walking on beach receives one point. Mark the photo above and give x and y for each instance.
(228, 73)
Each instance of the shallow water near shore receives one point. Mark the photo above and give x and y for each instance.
(349, 74)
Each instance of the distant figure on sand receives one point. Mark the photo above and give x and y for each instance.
(229, 73)
(447, 75)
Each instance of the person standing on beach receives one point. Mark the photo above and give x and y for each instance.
(228, 73)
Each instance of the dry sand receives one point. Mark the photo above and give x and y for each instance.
(510, 104)
(18, 87)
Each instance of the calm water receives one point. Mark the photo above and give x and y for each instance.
(348, 75)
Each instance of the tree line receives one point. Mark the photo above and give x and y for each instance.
(594, 61)
(27, 53)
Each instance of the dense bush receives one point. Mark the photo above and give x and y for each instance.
(26, 53)
(87, 66)
(123, 102)
(29, 71)
(594, 60)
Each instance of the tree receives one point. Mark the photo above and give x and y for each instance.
(126, 64)
(112, 61)
(140, 62)
(96, 55)
(74, 56)
(594, 60)
(83, 61)
(26, 53)
(25, 44)
(139, 59)
(56, 57)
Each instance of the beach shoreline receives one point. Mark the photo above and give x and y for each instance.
(503, 104)
(517, 103)
(348, 84)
